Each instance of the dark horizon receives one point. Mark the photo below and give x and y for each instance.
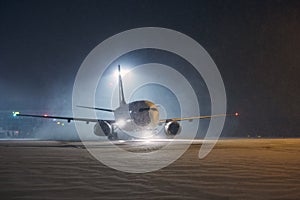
(255, 45)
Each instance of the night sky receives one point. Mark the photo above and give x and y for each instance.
(255, 45)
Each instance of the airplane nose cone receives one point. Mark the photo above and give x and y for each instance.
(144, 113)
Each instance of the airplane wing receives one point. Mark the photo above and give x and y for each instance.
(196, 117)
(69, 119)
(96, 108)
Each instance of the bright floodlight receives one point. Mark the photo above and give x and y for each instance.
(123, 72)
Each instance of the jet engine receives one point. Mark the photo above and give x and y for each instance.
(172, 128)
(102, 128)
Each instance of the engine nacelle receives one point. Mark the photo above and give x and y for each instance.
(103, 128)
(172, 128)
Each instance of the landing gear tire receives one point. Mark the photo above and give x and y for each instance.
(113, 136)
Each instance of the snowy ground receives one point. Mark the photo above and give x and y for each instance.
(235, 169)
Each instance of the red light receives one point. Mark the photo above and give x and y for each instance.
(45, 115)
(236, 114)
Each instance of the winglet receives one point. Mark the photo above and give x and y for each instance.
(15, 114)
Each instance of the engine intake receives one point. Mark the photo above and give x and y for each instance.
(172, 128)
(102, 128)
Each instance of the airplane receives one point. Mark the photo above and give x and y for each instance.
(136, 116)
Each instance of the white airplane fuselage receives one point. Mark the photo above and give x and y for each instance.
(137, 116)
